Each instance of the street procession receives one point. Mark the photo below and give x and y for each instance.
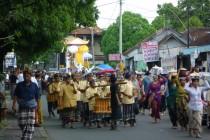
(94, 69)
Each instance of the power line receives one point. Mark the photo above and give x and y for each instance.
(113, 13)
(108, 3)
(139, 7)
(107, 18)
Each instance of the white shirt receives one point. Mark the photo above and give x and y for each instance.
(195, 102)
(46, 77)
(20, 78)
(33, 79)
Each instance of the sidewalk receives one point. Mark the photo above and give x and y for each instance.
(13, 132)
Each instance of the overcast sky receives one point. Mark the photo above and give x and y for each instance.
(109, 9)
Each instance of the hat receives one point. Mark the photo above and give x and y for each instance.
(183, 72)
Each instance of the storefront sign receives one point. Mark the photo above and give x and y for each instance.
(114, 57)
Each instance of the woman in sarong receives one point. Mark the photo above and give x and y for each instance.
(155, 98)
(195, 105)
(171, 101)
(181, 103)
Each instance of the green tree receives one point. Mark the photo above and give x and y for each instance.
(32, 27)
(194, 21)
(170, 15)
(159, 22)
(177, 18)
(198, 8)
(135, 29)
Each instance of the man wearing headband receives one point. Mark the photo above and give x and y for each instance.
(128, 101)
(91, 95)
(54, 91)
(68, 98)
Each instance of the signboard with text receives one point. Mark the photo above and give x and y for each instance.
(114, 57)
(150, 51)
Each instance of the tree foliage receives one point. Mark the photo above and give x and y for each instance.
(176, 16)
(170, 16)
(35, 26)
(135, 29)
(159, 22)
(194, 21)
(197, 8)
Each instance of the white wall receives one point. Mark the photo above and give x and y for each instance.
(135, 53)
(171, 48)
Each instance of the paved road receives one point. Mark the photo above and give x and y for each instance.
(145, 130)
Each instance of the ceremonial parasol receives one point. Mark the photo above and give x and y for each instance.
(106, 71)
(104, 67)
(87, 56)
(75, 41)
(83, 49)
(72, 49)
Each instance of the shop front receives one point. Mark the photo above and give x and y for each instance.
(199, 56)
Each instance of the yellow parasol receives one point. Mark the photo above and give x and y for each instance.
(83, 49)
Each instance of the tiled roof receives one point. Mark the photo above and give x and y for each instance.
(87, 31)
(199, 36)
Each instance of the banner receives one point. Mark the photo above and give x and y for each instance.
(150, 51)
(114, 57)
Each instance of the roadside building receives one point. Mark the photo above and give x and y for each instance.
(170, 44)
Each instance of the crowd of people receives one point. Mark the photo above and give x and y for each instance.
(106, 99)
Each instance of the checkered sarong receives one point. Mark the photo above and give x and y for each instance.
(128, 112)
(26, 121)
(195, 119)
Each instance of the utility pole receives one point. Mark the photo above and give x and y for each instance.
(92, 45)
(188, 25)
(120, 31)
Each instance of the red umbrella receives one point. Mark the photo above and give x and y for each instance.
(106, 71)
